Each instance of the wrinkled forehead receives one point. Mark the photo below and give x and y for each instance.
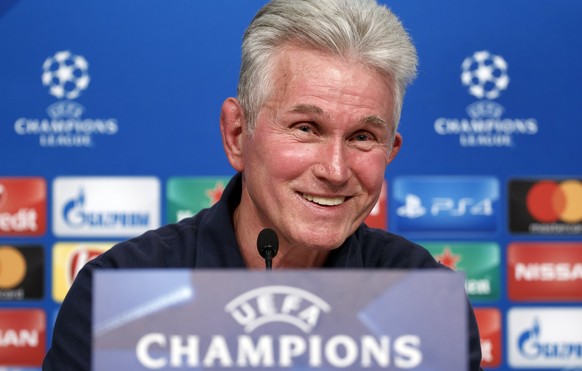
(297, 71)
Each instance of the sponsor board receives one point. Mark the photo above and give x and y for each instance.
(105, 206)
(68, 259)
(544, 337)
(21, 272)
(186, 196)
(446, 205)
(545, 206)
(544, 271)
(489, 322)
(480, 261)
(291, 320)
(23, 207)
(22, 337)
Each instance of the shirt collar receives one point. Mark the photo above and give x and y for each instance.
(218, 247)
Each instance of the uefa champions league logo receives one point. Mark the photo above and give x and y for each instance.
(65, 74)
(485, 75)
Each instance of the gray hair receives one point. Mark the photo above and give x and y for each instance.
(360, 29)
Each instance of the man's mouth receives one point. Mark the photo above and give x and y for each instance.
(325, 201)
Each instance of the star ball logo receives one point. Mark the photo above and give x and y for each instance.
(545, 206)
(486, 77)
(66, 75)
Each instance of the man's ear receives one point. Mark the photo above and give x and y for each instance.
(395, 147)
(231, 128)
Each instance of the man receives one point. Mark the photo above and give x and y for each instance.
(310, 135)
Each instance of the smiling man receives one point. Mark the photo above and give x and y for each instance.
(313, 164)
(310, 135)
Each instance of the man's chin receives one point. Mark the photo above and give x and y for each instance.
(318, 235)
(323, 242)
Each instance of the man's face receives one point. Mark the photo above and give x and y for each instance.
(314, 165)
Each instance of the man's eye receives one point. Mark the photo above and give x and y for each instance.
(305, 128)
(362, 137)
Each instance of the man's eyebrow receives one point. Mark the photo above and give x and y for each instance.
(376, 121)
(315, 110)
(307, 108)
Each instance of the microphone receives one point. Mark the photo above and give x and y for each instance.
(268, 245)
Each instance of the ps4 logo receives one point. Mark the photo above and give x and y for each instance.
(413, 207)
(446, 204)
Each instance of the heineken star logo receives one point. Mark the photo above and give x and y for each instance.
(448, 258)
(215, 193)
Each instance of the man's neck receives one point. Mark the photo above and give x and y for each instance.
(288, 256)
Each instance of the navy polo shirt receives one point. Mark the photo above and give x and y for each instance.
(207, 240)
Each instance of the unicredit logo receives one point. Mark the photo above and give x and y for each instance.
(551, 201)
(22, 206)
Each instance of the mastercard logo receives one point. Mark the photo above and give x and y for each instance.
(550, 201)
(12, 267)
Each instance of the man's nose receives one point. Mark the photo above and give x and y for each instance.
(332, 164)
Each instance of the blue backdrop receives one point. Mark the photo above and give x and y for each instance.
(158, 72)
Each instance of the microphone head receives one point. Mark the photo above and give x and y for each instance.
(268, 243)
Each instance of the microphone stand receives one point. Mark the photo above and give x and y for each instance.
(268, 245)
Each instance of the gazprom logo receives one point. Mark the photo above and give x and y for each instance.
(531, 346)
(270, 304)
(105, 206)
(75, 215)
(545, 337)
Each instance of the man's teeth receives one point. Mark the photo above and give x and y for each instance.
(326, 201)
